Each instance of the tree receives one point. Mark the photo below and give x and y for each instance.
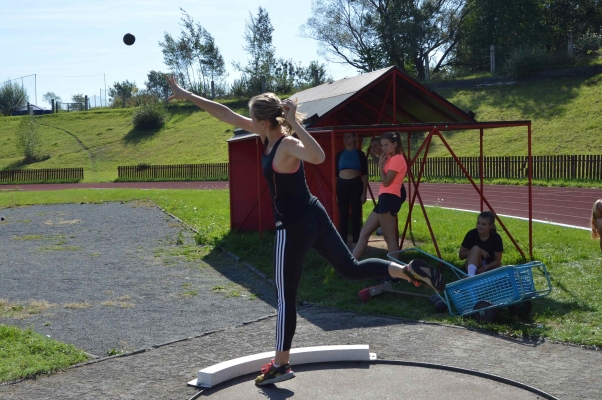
(508, 25)
(49, 96)
(122, 90)
(563, 16)
(372, 34)
(12, 97)
(261, 62)
(79, 99)
(157, 84)
(194, 57)
(345, 33)
(29, 140)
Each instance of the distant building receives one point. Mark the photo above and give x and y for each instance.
(36, 111)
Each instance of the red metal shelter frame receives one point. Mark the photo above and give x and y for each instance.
(435, 129)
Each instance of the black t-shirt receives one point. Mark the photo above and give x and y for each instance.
(492, 245)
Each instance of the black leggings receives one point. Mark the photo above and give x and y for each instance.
(292, 244)
(349, 193)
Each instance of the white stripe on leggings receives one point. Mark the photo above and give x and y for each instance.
(279, 276)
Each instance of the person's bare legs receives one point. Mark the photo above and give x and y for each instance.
(474, 257)
(389, 224)
(281, 357)
(370, 226)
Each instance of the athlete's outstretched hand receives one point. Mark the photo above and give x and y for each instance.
(177, 90)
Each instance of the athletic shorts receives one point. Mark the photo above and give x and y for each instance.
(388, 203)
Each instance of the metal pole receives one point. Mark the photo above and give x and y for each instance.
(530, 158)
(481, 165)
(409, 173)
(335, 215)
(394, 98)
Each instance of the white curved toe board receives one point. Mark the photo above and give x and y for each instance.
(227, 370)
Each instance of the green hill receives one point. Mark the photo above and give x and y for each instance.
(566, 115)
(101, 140)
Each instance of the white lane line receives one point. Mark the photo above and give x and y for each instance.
(521, 218)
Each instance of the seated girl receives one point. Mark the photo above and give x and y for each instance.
(482, 247)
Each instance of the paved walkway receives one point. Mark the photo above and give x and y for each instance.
(566, 372)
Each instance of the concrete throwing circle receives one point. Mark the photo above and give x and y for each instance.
(371, 380)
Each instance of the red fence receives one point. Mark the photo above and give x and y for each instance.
(216, 172)
(584, 167)
(41, 175)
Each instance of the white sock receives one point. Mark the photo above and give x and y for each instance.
(275, 365)
(472, 270)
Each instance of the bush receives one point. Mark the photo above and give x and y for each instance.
(587, 44)
(526, 62)
(149, 117)
(29, 140)
(12, 97)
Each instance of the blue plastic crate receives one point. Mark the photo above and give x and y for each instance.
(500, 286)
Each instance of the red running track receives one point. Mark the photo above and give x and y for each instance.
(569, 206)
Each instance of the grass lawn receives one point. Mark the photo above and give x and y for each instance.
(25, 354)
(571, 313)
(565, 115)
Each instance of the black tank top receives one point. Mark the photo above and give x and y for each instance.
(290, 194)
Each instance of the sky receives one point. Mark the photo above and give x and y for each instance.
(74, 47)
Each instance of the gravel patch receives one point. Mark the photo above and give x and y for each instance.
(115, 277)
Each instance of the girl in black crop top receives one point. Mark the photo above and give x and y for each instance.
(301, 221)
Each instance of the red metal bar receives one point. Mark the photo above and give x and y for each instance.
(395, 97)
(335, 216)
(530, 162)
(230, 186)
(382, 108)
(481, 164)
(425, 127)
(416, 183)
(480, 193)
(409, 172)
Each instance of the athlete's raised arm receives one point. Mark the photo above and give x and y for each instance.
(219, 111)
